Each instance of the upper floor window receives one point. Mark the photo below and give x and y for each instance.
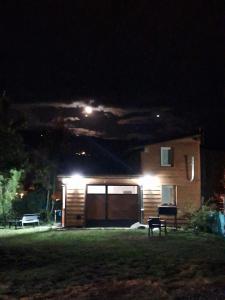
(166, 156)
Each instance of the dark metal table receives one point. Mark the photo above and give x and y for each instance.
(15, 222)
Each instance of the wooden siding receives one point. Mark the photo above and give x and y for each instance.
(75, 207)
(75, 213)
(188, 192)
(151, 201)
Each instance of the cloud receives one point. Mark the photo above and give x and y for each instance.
(86, 132)
(106, 121)
(144, 116)
(80, 105)
(71, 119)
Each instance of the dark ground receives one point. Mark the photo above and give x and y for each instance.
(110, 264)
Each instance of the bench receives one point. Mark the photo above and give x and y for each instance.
(30, 219)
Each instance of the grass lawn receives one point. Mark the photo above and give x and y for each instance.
(110, 264)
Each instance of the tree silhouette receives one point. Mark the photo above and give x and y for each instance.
(12, 149)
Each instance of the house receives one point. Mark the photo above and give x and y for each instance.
(170, 176)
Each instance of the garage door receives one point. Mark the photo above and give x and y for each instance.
(112, 205)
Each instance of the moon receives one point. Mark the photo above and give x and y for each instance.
(88, 110)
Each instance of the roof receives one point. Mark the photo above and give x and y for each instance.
(191, 137)
(106, 176)
(141, 147)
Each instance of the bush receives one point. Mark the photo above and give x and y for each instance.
(9, 184)
(203, 220)
(45, 216)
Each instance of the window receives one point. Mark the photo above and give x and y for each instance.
(112, 189)
(169, 194)
(122, 189)
(166, 156)
(96, 189)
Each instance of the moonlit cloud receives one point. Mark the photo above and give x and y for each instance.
(115, 110)
(86, 132)
(105, 121)
(71, 119)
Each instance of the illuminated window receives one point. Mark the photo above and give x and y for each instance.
(123, 189)
(166, 156)
(96, 189)
(168, 194)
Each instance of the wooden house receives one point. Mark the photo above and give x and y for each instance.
(170, 177)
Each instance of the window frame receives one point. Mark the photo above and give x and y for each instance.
(174, 202)
(111, 185)
(96, 185)
(125, 185)
(161, 156)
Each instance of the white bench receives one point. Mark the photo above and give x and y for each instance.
(30, 219)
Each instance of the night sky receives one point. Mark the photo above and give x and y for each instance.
(150, 69)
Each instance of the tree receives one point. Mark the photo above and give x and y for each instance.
(12, 150)
(12, 153)
(41, 176)
(9, 185)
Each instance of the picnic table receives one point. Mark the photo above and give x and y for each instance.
(15, 222)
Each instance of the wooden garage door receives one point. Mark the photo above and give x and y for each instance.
(123, 207)
(95, 207)
(111, 205)
(96, 202)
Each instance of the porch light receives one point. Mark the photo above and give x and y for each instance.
(149, 181)
(76, 180)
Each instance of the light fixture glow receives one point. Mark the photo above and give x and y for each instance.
(76, 181)
(149, 181)
(77, 177)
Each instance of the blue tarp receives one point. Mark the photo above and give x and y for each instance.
(221, 218)
(218, 223)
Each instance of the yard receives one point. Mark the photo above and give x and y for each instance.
(110, 264)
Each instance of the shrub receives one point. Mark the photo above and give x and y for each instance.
(9, 184)
(45, 216)
(203, 220)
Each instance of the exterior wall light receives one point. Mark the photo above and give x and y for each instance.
(149, 181)
(75, 181)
